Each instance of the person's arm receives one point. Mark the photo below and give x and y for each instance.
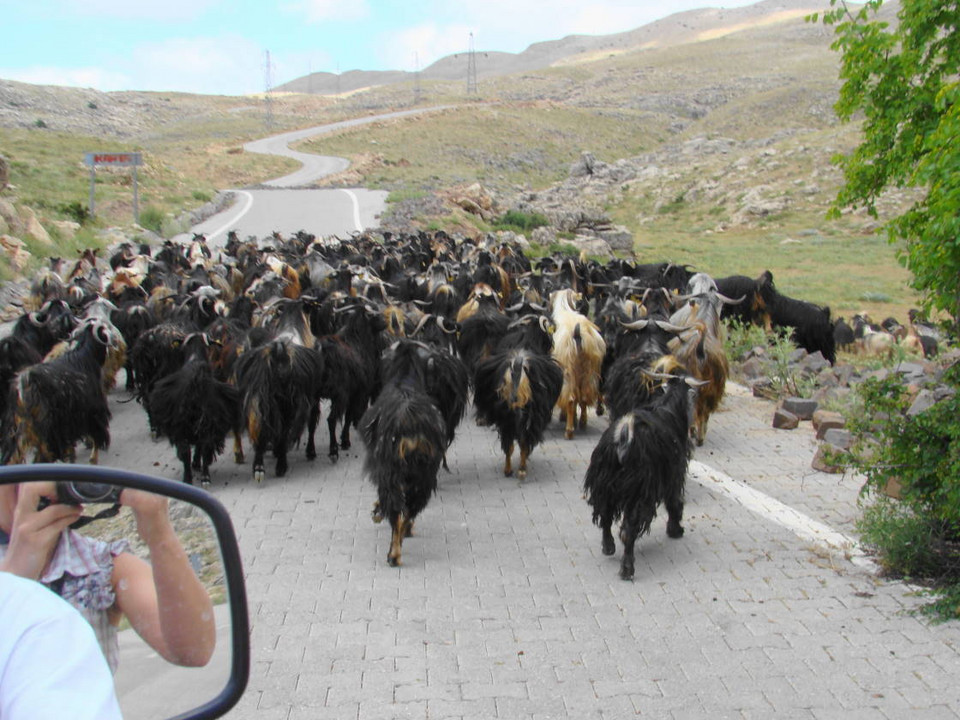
(164, 600)
(34, 533)
(51, 665)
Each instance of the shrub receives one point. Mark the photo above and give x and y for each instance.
(76, 211)
(518, 221)
(917, 535)
(152, 218)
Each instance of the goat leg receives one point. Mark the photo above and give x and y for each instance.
(183, 454)
(524, 454)
(237, 448)
(334, 452)
(583, 415)
(280, 452)
(674, 508)
(508, 462)
(570, 413)
(628, 536)
(312, 422)
(258, 469)
(397, 522)
(607, 544)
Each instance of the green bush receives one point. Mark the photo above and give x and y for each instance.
(518, 221)
(152, 218)
(917, 535)
(76, 211)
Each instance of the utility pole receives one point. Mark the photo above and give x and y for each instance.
(416, 79)
(471, 69)
(268, 99)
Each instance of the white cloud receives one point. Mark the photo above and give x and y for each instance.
(162, 10)
(316, 11)
(93, 77)
(210, 66)
(427, 43)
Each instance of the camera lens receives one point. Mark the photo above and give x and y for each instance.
(79, 493)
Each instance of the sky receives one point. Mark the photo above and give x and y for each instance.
(220, 47)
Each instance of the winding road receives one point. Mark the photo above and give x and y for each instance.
(288, 204)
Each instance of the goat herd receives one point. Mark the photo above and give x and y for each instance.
(393, 335)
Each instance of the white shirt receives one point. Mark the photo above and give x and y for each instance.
(51, 666)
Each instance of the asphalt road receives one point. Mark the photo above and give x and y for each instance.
(287, 204)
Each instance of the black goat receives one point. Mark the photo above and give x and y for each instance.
(405, 436)
(516, 388)
(279, 382)
(351, 377)
(193, 409)
(640, 462)
(54, 404)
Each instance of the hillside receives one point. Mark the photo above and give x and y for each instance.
(708, 136)
(677, 29)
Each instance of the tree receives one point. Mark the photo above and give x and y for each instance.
(903, 77)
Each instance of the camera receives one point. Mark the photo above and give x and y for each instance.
(82, 493)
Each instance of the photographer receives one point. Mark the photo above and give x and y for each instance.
(164, 600)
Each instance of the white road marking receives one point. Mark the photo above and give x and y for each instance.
(234, 220)
(356, 208)
(785, 516)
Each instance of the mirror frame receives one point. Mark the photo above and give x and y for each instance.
(229, 550)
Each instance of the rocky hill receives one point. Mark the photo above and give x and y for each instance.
(677, 29)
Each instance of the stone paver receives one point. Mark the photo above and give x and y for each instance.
(506, 608)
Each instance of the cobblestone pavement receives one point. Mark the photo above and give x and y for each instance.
(506, 608)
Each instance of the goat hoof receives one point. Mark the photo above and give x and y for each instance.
(345, 444)
(334, 457)
(393, 561)
(375, 514)
(258, 475)
(674, 530)
(311, 454)
(626, 574)
(238, 458)
(568, 434)
(608, 547)
(204, 482)
(521, 474)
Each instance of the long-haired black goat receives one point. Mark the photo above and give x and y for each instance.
(279, 382)
(54, 404)
(517, 387)
(640, 462)
(193, 409)
(405, 437)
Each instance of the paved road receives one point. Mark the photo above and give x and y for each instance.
(506, 608)
(288, 205)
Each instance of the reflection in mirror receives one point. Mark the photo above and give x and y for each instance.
(187, 583)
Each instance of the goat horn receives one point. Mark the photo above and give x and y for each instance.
(419, 327)
(729, 301)
(670, 327)
(441, 323)
(636, 324)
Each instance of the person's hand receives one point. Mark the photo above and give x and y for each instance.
(150, 511)
(34, 533)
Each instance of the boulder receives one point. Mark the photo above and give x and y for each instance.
(4, 173)
(838, 438)
(785, 420)
(618, 237)
(15, 251)
(32, 227)
(824, 420)
(803, 408)
(595, 246)
(825, 459)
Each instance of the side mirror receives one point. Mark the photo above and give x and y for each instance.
(147, 685)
